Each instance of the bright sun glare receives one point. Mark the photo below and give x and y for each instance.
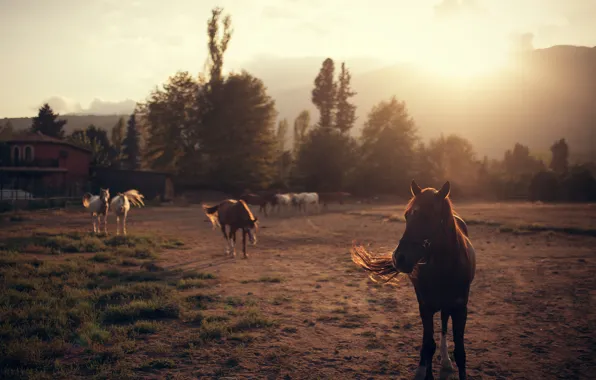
(460, 52)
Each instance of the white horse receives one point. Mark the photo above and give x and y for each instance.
(305, 199)
(98, 205)
(283, 200)
(121, 204)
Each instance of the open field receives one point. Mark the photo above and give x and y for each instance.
(166, 303)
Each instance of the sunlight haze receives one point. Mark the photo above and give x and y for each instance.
(107, 52)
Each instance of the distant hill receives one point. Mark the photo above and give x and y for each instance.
(73, 122)
(545, 95)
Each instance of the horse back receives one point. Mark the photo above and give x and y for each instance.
(470, 251)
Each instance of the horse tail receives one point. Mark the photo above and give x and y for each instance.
(210, 212)
(134, 197)
(86, 198)
(379, 266)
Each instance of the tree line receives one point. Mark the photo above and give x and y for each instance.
(221, 131)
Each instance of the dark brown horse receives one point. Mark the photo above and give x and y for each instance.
(237, 215)
(336, 197)
(256, 200)
(440, 261)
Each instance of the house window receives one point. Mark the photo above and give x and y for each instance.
(28, 154)
(16, 154)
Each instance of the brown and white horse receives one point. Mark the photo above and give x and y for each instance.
(237, 215)
(98, 205)
(438, 257)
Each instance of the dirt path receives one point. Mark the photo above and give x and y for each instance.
(531, 313)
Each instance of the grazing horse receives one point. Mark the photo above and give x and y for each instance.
(237, 215)
(121, 205)
(98, 205)
(305, 199)
(255, 200)
(326, 198)
(438, 257)
(283, 200)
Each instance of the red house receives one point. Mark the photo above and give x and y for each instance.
(43, 165)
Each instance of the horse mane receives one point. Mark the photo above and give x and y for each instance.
(250, 215)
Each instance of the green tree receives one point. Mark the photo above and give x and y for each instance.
(453, 158)
(212, 102)
(323, 94)
(171, 118)
(560, 157)
(345, 115)
(131, 145)
(284, 157)
(116, 138)
(96, 140)
(282, 134)
(47, 122)
(301, 127)
(217, 45)
(242, 149)
(325, 160)
(387, 148)
(518, 162)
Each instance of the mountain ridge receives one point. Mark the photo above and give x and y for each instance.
(544, 95)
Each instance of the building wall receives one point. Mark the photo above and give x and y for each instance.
(76, 161)
(150, 184)
(45, 182)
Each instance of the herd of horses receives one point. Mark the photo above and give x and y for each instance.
(301, 202)
(99, 205)
(434, 252)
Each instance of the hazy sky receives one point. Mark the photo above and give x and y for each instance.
(113, 50)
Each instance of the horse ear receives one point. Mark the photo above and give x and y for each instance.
(414, 188)
(445, 189)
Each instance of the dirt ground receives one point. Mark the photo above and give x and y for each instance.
(532, 311)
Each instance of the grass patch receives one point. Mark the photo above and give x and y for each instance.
(190, 283)
(172, 244)
(145, 327)
(157, 364)
(201, 301)
(280, 300)
(271, 279)
(252, 319)
(48, 309)
(53, 243)
(198, 275)
(213, 331)
(140, 309)
(130, 262)
(102, 257)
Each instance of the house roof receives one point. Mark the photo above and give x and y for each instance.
(38, 137)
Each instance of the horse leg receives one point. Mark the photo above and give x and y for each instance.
(94, 226)
(105, 223)
(117, 225)
(446, 365)
(124, 222)
(459, 317)
(223, 230)
(425, 369)
(233, 240)
(244, 243)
